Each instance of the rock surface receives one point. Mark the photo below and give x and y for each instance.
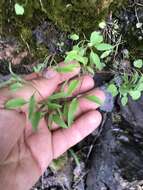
(117, 158)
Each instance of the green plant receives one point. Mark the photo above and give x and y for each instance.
(19, 9)
(131, 85)
(90, 53)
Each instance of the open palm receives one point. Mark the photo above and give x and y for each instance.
(24, 154)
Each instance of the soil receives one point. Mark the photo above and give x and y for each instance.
(112, 157)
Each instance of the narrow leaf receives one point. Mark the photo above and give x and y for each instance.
(67, 68)
(32, 106)
(105, 54)
(15, 86)
(72, 110)
(104, 47)
(72, 87)
(60, 122)
(35, 119)
(94, 99)
(15, 103)
(65, 111)
(57, 96)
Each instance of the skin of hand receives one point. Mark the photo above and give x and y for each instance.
(25, 154)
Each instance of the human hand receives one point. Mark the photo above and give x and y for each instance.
(25, 154)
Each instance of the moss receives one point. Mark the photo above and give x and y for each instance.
(69, 15)
(81, 15)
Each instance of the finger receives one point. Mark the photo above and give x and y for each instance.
(11, 128)
(85, 105)
(42, 87)
(63, 139)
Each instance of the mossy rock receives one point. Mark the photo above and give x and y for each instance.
(69, 15)
(81, 15)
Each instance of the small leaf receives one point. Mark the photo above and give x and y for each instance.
(96, 38)
(74, 37)
(104, 47)
(72, 110)
(57, 96)
(35, 119)
(32, 105)
(102, 24)
(15, 103)
(53, 106)
(60, 122)
(138, 63)
(90, 70)
(19, 9)
(94, 59)
(124, 100)
(72, 87)
(67, 68)
(140, 87)
(135, 94)
(105, 54)
(94, 99)
(15, 86)
(77, 56)
(112, 89)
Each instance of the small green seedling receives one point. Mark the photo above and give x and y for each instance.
(19, 9)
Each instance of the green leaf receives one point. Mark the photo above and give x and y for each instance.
(57, 96)
(19, 9)
(104, 47)
(72, 87)
(90, 70)
(35, 119)
(124, 100)
(135, 94)
(32, 106)
(15, 103)
(140, 87)
(15, 86)
(96, 38)
(67, 68)
(74, 37)
(94, 59)
(112, 89)
(60, 122)
(65, 111)
(72, 110)
(94, 99)
(102, 24)
(105, 54)
(138, 63)
(53, 106)
(77, 56)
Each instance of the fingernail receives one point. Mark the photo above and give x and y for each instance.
(49, 74)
